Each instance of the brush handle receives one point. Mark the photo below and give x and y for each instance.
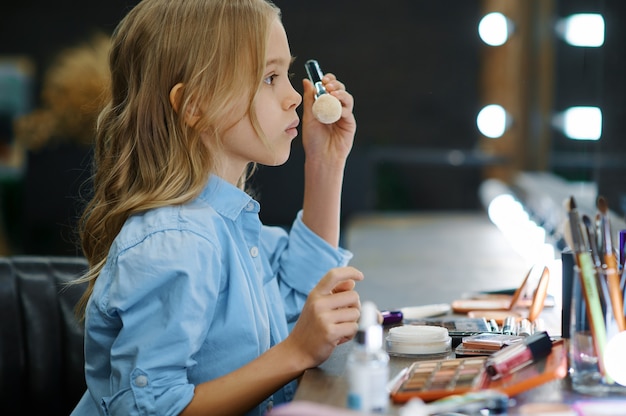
(615, 292)
(315, 75)
(540, 296)
(594, 308)
(622, 247)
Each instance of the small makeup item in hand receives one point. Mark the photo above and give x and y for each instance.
(326, 108)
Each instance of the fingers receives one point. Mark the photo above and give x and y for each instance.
(338, 89)
(333, 87)
(348, 314)
(336, 276)
(308, 97)
(345, 332)
(330, 315)
(342, 324)
(332, 84)
(340, 306)
(344, 286)
(347, 299)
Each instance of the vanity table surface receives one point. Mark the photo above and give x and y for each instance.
(417, 259)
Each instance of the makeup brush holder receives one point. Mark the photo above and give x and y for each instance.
(597, 349)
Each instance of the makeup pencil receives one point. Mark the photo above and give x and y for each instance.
(589, 287)
(609, 265)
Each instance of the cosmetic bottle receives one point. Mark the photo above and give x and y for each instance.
(368, 365)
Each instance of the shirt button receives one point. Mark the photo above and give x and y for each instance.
(254, 251)
(250, 206)
(141, 381)
(270, 405)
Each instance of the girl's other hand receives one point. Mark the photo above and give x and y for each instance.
(329, 316)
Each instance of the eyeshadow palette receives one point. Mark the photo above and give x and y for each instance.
(435, 379)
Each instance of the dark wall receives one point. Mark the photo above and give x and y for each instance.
(411, 65)
(41, 29)
(612, 178)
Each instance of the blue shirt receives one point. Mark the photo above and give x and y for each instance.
(190, 293)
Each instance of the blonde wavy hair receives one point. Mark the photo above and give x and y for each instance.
(146, 155)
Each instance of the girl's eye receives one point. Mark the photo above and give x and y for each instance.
(270, 80)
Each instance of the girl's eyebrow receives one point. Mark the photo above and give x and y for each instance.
(280, 61)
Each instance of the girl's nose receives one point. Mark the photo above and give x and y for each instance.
(293, 99)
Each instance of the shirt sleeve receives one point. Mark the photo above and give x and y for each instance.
(301, 259)
(164, 297)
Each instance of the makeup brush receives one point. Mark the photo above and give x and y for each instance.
(566, 228)
(595, 255)
(609, 265)
(592, 239)
(589, 286)
(326, 108)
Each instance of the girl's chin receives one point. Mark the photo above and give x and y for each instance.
(277, 155)
(280, 162)
(280, 158)
(277, 161)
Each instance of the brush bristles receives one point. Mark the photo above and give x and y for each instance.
(571, 204)
(603, 206)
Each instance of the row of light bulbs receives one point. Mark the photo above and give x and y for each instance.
(578, 30)
(581, 29)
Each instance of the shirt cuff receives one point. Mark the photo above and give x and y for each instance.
(316, 257)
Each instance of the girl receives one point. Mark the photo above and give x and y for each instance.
(194, 306)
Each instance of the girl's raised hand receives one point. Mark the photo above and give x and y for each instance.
(328, 141)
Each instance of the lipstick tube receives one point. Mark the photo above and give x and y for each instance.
(509, 327)
(516, 356)
(391, 317)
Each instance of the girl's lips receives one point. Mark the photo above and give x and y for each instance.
(292, 129)
(293, 125)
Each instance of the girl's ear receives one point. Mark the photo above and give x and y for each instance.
(192, 116)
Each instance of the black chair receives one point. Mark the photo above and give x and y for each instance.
(41, 342)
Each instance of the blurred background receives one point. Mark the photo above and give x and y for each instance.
(456, 102)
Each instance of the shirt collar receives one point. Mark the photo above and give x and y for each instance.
(227, 199)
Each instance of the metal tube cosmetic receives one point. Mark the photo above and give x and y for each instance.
(326, 108)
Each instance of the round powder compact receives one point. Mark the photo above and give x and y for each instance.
(409, 340)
